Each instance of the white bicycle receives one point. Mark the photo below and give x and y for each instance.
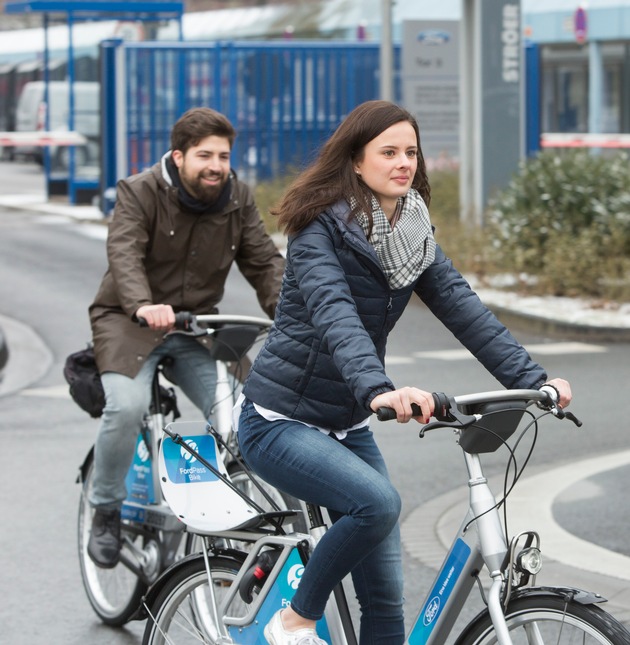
(153, 537)
(225, 597)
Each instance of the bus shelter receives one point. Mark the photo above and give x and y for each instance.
(77, 186)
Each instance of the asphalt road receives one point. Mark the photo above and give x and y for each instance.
(49, 270)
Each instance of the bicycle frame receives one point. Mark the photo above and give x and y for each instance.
(145, 507)
(441, 607)
(470, 549)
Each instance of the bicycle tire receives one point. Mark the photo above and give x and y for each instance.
(180, 614)
(557, 620)
(115, 594)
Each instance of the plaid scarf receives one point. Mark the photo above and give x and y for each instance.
(406, 250)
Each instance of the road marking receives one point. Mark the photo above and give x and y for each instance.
(398, 360)
(547, 349)
(551, 349)
(429, 528)
(52, 392)
(534, 497)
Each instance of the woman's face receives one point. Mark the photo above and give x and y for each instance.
(389, 164)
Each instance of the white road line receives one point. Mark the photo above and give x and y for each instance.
(548, 349)
(533, 498)
(565, 348)
(429, 529)
(52, 392)
(398, 360)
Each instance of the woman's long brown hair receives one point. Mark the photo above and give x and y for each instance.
(331, 176)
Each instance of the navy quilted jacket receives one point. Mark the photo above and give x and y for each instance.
(323, 361)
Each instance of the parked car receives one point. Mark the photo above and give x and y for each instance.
(31, 111)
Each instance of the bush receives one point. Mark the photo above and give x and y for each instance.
(565, 219)
(267, 194)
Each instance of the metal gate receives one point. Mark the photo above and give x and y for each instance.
(284, 98)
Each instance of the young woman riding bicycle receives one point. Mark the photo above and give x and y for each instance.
(360, 245)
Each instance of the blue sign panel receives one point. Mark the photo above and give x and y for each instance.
(183, 467)
(279, 596)
(439, 595)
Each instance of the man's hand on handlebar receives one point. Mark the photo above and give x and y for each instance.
(158, 317)
(400, 400)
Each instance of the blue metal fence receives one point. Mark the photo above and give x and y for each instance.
(284, 98)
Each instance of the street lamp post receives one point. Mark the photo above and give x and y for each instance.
(386, 51)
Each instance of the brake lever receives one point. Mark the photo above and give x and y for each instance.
(558, 412)
(457, 421)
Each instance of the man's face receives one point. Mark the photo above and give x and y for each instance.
(205, 168)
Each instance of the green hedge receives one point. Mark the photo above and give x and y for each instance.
(565, 220)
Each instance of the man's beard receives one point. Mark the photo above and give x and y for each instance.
(204, 193)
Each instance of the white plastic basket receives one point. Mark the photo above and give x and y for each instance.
(195, 494)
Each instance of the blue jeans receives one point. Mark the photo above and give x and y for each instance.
(127, 401)
(349, 478)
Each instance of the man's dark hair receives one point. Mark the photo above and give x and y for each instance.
(197, 124)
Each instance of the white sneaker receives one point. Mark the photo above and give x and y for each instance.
(277, 635)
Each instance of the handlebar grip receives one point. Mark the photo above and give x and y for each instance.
(183, 320)
(441, 412)
(389, 414)
(442, 406)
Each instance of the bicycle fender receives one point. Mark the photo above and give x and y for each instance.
(152, 592)
(570, 593)
(83, 468)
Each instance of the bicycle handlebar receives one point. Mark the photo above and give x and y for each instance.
(448, 414)
(186, 321)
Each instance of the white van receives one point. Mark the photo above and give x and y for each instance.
(30, 116)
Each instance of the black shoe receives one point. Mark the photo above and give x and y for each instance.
(104, 545)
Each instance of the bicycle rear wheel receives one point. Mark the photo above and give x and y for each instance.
(115, 594)
(546, 620)
(182, 612)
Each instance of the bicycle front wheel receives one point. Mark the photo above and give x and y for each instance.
(183, 613)
(115, 594)
(546, 620)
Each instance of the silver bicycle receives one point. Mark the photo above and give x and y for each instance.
(222, 597)
(153, 537)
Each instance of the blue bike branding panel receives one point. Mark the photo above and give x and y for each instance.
(439, 595)
(279, 596)
(183, 467)
(139, 481)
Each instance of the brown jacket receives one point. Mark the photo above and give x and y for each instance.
(161, 254)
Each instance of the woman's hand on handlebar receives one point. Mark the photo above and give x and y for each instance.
(400, 400)
(564, 391)
(158, 317)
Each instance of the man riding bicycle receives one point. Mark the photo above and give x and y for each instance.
(176, 230)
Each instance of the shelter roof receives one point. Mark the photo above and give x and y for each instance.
(101, 9)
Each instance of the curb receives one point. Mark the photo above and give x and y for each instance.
(519, 320)
(29, 357)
